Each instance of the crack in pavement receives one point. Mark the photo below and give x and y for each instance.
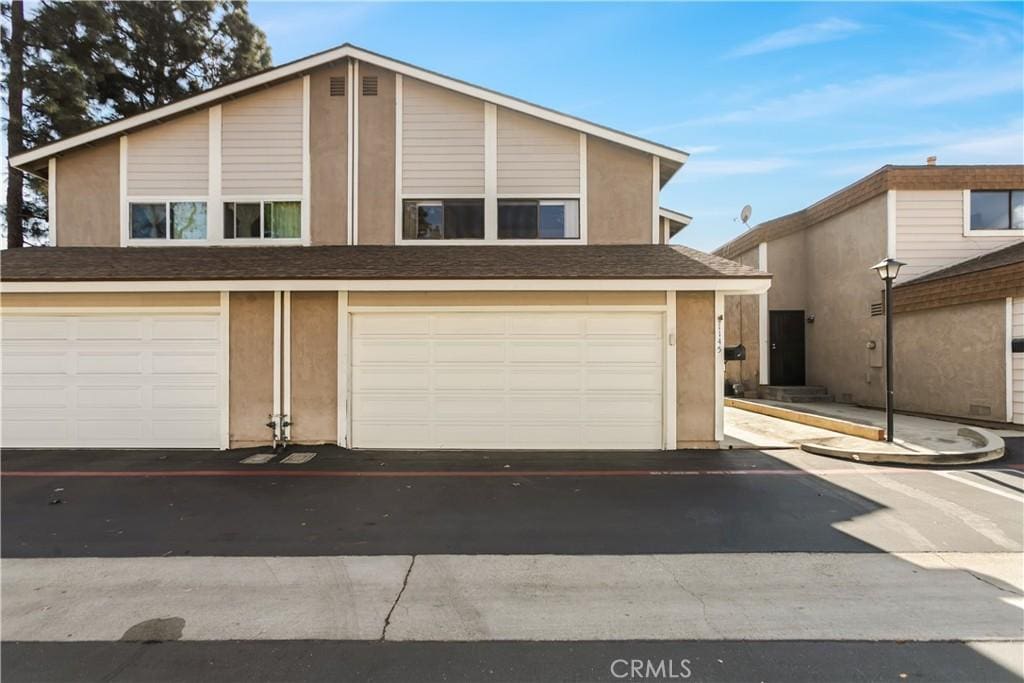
(949, 564)
(692, 594)
(405, 582)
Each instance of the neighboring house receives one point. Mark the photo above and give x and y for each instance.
(959, 229)
(355, 250)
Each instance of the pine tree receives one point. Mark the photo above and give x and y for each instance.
(87, 63)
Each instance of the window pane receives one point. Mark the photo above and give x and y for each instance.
(990, 210)
(247, 220)
(464, 219)
(149, 221)
(188, 220)
(517, 220)
(281, 219)
(422, 220)
(1017, 209)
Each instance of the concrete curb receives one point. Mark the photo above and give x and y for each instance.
(989, 446)
(833, 424)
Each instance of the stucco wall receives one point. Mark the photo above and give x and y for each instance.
(787, 259)
(88, 187)
(314, 369)
(328, 156)
(840, 286)
(251, 375)
(619, 186)
(952, 361)
(741, 327)
(377, 159)
(695, 369)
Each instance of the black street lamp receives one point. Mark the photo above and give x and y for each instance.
(888, 269)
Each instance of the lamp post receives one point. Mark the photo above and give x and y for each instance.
(888, 269)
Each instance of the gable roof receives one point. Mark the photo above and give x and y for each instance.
(677, 220)
(437, 262)
(35, 159)
(890, 177)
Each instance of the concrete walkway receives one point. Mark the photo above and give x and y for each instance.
(919, 440)
(742, 596)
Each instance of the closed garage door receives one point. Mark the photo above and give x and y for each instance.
(560, 380)
(112, 381)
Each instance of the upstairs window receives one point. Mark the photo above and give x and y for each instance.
(1002, 210)
(168, 220)
(545, 219)
(262, 220)
(443, 219)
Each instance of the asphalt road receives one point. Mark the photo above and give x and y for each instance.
(736, 504)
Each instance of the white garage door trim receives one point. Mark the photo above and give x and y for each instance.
(194, 377)
(416, 334)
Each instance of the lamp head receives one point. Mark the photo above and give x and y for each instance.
(888, 269)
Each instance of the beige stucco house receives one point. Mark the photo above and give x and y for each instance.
(350, 249)
(957, 303)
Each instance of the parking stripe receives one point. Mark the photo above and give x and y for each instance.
(470, 473)
(984, 487)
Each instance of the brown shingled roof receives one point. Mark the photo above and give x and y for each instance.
(993, 259)
(433, 262)
(975, 177)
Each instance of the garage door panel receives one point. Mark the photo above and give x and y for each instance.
(112, 381)
(34, 362)
(468, 377)
(104, 328)
(545, 379)
(545, 351)
(469, 351)
(103, 397)
(391, 351)
(624, 352)
(33, 328)
(538, 407)
(645, 379)
(109, 363)
(371, 378)
(512, 379)
(35, 396)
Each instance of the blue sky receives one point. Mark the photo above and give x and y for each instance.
(778, 104)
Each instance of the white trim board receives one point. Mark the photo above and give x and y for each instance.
(1009, 359)
(51, 202)
(306, 64)
(728, 285)
(763, 364)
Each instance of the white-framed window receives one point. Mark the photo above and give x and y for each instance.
(167, 220)
(263, 219)
(443, 219)
(995, 211)
(538, 219)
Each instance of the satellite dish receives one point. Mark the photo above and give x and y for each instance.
(745, 214)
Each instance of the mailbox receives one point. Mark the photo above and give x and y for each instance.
(738, 352)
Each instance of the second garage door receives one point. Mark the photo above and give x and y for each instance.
(531, 380)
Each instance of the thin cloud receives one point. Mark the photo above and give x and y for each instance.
(825, 31)
(697, 169)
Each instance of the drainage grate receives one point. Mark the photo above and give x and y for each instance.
(258, 459)
(298, 458)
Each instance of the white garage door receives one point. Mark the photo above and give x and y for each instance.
(561, 380)
(112, 381)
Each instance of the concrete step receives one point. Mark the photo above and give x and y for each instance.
(796, 394)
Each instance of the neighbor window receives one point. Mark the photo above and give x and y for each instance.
(150, 220)
(447, 219)
(528, 219)
(259, 220)
(1002, 210)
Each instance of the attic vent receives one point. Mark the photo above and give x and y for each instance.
(370, 86)
(878, 309)
(337, 86)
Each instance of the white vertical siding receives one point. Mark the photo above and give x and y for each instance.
(442, 141)
(1018, 363)
(536, 157)
(262, 142)
(930, 231)
(170, 159)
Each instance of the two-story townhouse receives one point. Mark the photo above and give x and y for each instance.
(960, 231)
(351, 249)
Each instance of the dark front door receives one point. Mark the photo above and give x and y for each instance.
(786, 340)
